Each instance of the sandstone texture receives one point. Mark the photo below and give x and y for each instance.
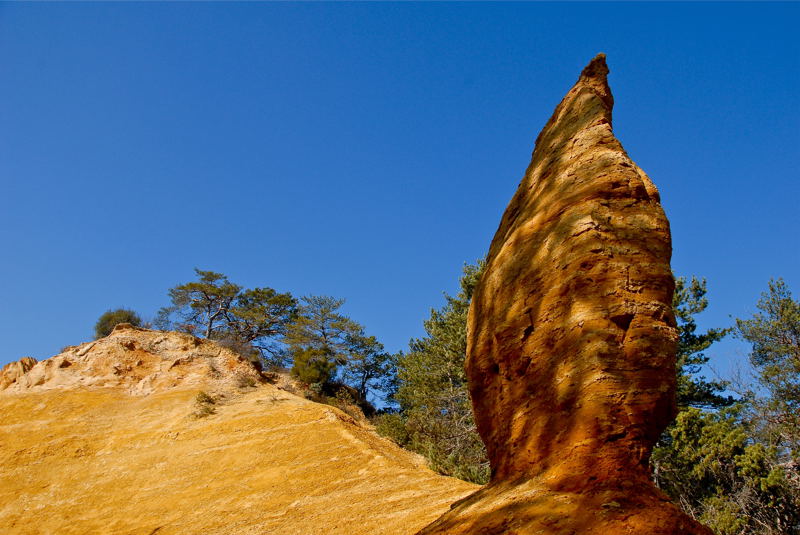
(108, 437)
(572, 339)
(14, 370)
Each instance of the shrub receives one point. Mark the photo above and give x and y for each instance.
(204, 398)
(204, 405)
(111, 318)
(392, 426)
(312, 366)
(241, 348)
(271, 377)
(244, 380)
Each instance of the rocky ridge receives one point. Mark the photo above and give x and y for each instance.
(139, 361)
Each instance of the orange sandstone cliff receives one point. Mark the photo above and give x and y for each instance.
(571, 340)
(109, 437)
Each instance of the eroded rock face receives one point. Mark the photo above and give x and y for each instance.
(14, 370)
(571, 344)
(138, 360)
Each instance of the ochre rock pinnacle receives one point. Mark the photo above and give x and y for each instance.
(595, 75)
(572, 340)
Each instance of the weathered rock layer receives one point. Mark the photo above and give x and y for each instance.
(571, 344)
(137, 361)
(105, 438)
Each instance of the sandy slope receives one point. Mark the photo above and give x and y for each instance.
(120, 459)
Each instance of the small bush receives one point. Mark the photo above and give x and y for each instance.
(203, 411)
(204, 405)
(111, 318)
(312, 366)
(241, 348)
(244, 380)
(343, 395)
(203, 397)
(271, 377)
(316, 390)
(213, 370)
(392, 426)
(354, 411)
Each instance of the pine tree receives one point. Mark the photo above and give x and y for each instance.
(329, 350)
(318, 335)
(435, 416)
(693, 390)
(774, 333)
(200, 305)
(728, 463)
(251, 321)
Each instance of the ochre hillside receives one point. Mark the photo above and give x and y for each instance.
(110, 437)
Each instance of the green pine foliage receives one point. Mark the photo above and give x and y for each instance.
(200, 306)
(261, 317)
(321, 327)
(331, 351)
(774, 332)
(694, 390)
(718, 471)
(251, 321)
(435, 412)
(321, 346)
(733, 465)
(368, 366)
(312, 366)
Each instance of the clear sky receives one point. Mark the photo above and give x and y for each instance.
(366, 150)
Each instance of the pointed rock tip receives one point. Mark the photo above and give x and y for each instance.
(596, 69)
(595, 76)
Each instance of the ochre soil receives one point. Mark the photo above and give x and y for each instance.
(99, 460)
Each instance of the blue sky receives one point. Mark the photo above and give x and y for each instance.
(366, 150)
